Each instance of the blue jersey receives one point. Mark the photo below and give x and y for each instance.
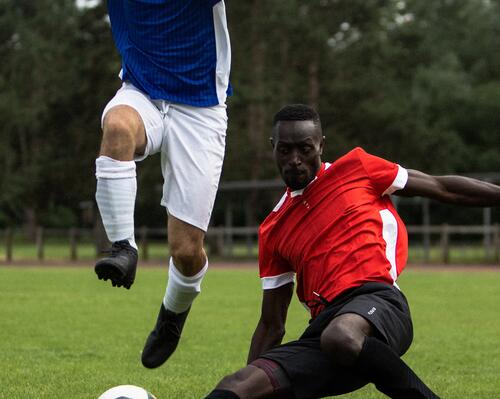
(174, 50)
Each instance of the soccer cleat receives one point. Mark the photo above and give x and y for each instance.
(163, 340)
(120, 266)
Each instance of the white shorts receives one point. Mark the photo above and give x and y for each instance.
(192, 142)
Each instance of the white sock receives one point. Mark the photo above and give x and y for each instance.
(182, 290)
(115, 196)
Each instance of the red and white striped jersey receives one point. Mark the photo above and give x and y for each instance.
(339, 232)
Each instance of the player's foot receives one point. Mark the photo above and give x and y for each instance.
(163, 340)
(120, 266)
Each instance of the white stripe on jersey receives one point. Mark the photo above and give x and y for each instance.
(223, 49)
(390, 235)
(268, 283)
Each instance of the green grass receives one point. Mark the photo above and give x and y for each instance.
(64, 334)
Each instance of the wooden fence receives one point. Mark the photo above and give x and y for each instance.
(241, 242)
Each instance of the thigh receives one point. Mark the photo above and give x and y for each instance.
(388, 311)
(192, 156)
(149, 114)
(311, 372)
(182, 233)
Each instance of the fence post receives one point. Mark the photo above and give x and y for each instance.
(143, 232)
(445, 243)
(73, 235)
(8, 244)
(496, 241)
(487, 233)
(39, 243)
(249, 242)
(228, 230)
(219, 242)
(215, 241)
(426, 221)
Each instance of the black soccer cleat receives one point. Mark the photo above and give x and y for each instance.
(163, 340)
(120, 266)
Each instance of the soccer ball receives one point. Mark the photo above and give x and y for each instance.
(126, 392)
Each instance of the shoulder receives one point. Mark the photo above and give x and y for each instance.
(348, 160)
(364, 158)
(356, 154)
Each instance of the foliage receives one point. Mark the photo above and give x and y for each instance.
(408, 80)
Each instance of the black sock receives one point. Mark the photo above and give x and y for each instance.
(222, 394)
(381, 365)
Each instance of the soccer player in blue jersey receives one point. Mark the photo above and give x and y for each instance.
(175, 79)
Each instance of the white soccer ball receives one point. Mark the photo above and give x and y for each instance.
(127, 392)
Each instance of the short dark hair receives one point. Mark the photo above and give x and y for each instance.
(297, 112)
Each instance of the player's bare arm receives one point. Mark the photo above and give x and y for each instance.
(270, 329)
(458, 190)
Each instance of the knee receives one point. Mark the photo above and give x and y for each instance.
(230, 382)
(188, 255)
(119, 134)
(342, 343)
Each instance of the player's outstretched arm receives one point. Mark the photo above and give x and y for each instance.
(458, 190)
(271, 327)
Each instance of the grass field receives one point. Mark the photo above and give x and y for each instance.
(64, 334)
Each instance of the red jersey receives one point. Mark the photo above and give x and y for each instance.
(339, 232)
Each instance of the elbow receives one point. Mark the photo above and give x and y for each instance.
(276, 336)
(448, 197)
(275, 331)
(280, 334)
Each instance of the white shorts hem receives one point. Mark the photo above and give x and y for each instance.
(186, 219)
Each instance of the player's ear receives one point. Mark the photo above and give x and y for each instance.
(321, 145)
(271, 140)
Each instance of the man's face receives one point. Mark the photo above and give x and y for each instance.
(297, 149)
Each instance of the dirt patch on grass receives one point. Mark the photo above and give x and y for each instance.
(244, 264)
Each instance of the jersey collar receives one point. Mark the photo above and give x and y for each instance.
(324, 166)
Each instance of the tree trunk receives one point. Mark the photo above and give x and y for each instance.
(256, 126)
(313, 84)
(29, 223)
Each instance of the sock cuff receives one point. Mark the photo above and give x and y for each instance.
(109, 168)
(186, 280)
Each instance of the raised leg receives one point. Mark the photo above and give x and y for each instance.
(123, 136)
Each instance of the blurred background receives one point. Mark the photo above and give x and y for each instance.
(414, 81)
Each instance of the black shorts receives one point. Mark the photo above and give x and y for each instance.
(311, 372)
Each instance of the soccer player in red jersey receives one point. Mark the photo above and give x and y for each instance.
(336, 235)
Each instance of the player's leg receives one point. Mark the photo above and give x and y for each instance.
(252, 382)
(380, 364)
(355, 343)
(298, 369)
(188, 265)
(131, 130)
(343, 338)
(191, 163)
